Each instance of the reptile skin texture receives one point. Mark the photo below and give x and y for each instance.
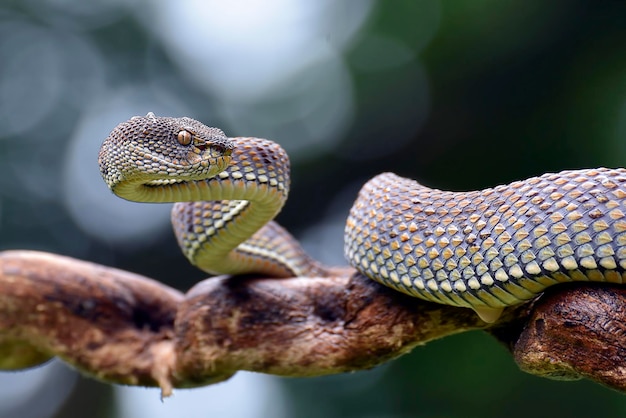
(484, 250)
(490, 248)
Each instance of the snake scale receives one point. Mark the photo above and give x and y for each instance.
(484, 250)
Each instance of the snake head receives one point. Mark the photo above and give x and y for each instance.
(150, 151)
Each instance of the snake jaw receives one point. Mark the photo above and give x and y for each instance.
(201, 158)
(207, 153)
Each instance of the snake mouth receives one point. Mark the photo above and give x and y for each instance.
(209, 154)
(214, 149)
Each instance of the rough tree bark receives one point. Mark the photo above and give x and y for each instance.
(124, 328)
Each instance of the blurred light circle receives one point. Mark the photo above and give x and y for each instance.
(36, 393)
(40, 68)
(90, 203)
(310, 114)
(241, 50)
(30, 76)
(262, 394)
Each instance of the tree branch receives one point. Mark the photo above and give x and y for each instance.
(124, 328)
(576, 332)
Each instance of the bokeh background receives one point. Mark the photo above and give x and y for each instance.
(460, 94)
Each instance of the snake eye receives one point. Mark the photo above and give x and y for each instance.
(184, 137)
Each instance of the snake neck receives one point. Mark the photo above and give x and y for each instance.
(220, 214)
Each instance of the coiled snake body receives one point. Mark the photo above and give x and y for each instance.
(483, 250)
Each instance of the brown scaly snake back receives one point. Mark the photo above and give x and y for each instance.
(491, 248)
(483, 250)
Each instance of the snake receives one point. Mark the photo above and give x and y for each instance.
(485, 250)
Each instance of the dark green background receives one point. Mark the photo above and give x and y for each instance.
(511, 89)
